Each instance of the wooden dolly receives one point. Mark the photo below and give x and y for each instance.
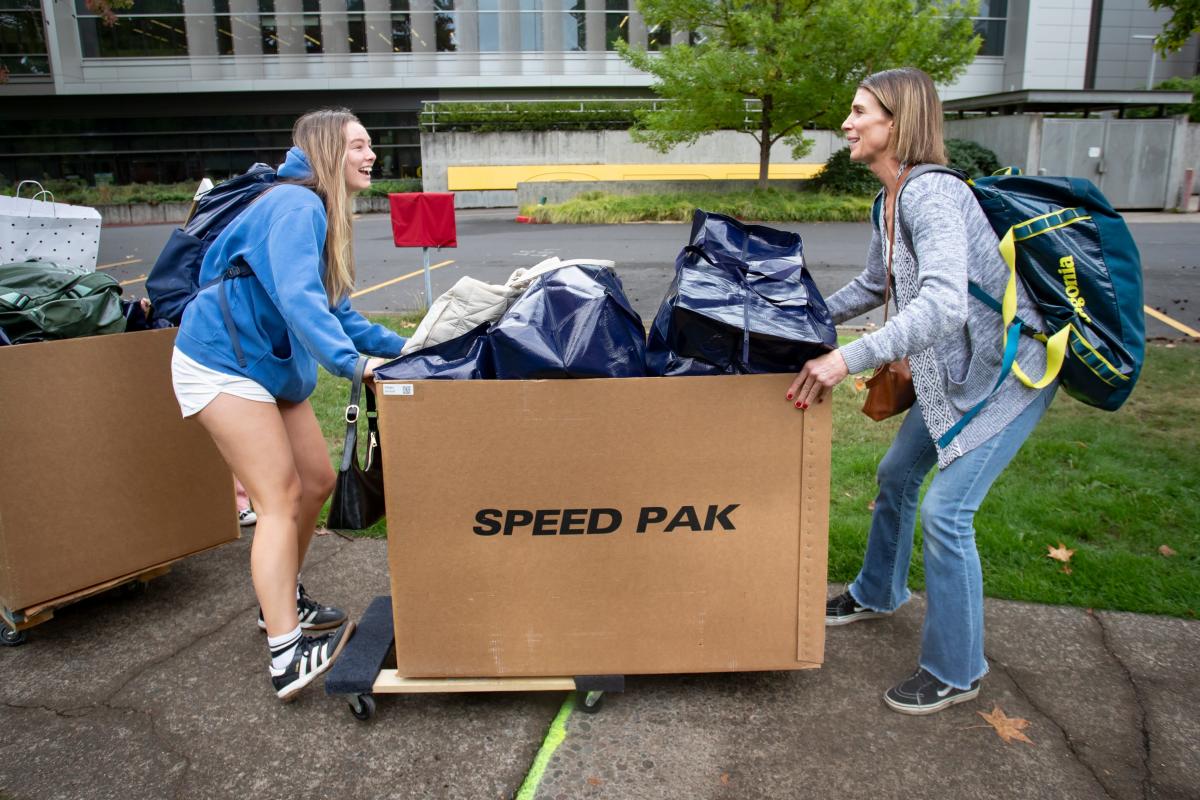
(16, 622)
(359, 674)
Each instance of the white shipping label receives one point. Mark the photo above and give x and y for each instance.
(402, 389)
(1093, 152)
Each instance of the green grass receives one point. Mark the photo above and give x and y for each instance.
(770, 204)
(1114, 487)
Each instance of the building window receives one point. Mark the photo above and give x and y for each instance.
(356, 26)
(312, 27)
(658, 37)
(990, 24)
(268, 26)
(616, 23)
(401, 33)
(150, 28)
(444, 28)
(489, 26)
(22, 39)
(224, 27)
(531, 26)
(574, 25)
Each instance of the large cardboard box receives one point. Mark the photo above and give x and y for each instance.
(100, 477)
(588, 527)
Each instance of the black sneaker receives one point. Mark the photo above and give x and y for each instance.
(925, 694)
(844, 609)
(313, 655)
(313, 616)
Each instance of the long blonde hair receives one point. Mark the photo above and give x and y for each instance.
(908, 94)
(321, 135)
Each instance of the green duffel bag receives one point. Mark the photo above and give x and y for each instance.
(40, 301)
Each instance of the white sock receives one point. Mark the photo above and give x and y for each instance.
(282, 648)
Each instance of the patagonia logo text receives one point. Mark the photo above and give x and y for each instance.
(1066, 268)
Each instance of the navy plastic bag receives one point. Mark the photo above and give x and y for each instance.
(467, 357)
(574, 322)
(175, 277)
(742, 302)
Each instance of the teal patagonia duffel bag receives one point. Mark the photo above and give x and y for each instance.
(1079, 263)
(40, 301)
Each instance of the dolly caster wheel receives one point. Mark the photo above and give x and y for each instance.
(10, 637)
(362, 706)
(589, 702)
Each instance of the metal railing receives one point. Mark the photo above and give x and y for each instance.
(515, 115)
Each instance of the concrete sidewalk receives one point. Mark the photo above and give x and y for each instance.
(165, 695)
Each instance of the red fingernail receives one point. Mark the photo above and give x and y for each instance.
(789, 396)
(799, 404)
(804, 407)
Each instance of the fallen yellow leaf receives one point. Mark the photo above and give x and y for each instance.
(1007, 728)
(1060, 553)
(1166, 551)
(860, 383)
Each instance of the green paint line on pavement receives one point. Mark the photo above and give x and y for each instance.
(554, 737)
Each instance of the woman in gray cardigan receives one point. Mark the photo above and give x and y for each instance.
(939, 239)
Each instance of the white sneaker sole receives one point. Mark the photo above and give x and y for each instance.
(918, 711)
(831, 622)
(289, 692)
(325, 626)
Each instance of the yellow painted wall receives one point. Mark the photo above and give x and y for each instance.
(464, 179)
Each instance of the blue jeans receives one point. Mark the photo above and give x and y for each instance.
(952, 637)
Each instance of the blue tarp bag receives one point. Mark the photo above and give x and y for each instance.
(572, 322)
(467, 357)
(174, 279)
(742, 301)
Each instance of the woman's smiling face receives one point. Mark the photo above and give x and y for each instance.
(359, 158)
(868, 129)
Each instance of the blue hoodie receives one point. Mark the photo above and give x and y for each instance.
(282, 314)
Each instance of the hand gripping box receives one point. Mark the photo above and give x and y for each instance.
(100, 477)
(613, 526)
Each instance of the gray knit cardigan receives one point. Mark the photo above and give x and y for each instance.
(952, 340)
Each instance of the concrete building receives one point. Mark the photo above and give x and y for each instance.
(177, 88)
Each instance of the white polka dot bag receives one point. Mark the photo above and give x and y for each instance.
(36, 228)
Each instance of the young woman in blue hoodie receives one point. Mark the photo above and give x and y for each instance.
(249, 386)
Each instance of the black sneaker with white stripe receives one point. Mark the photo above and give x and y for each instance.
(313, 616)
(925, 694)
(313, 655)
(844, 609)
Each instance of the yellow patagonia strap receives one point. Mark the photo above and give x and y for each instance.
(1056, 345)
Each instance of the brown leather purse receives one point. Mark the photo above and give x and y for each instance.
(890, 390)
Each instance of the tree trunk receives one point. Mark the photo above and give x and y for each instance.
(764, 142)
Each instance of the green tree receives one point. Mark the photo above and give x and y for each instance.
(800, 59)
(1184, 22)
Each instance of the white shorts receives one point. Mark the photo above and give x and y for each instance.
(197, 385)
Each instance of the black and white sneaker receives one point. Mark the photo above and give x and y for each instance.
(844, 609)
(313, 655)
(925, 694)
(313, 616)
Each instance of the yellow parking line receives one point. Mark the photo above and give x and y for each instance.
(124, 263)
(138, 279)
(412, 274)
(1179, 326)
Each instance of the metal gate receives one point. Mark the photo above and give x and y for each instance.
(1129, 159)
